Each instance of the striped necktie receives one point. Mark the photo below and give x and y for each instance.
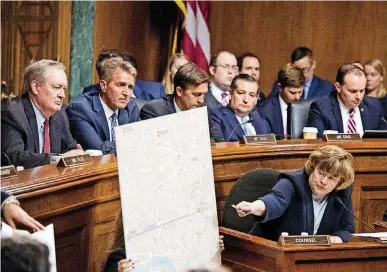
(224, 98)
(351, 121)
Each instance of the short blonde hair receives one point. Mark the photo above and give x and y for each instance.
(378, 66)
(110, 66)
(334, 161)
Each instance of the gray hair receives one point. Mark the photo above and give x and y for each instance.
(37, 71)
(110, 66)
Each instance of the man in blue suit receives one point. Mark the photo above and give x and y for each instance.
(93, 116)
(347, 110)
(302, 57)
(240, 116)
(143, 89)
(276, 110)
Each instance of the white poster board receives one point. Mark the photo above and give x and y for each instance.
(167, 191)
(47, 237)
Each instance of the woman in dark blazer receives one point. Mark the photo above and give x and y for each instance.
(309, 200)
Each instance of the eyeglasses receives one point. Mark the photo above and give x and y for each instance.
(233, 68)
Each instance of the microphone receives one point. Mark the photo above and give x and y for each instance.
(351, 213)
(240, 124)
(383, 120)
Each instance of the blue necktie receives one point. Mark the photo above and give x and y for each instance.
(113, 120)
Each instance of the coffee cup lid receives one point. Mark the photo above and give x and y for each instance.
(310, 129)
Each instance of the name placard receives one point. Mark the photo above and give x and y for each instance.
(340, 137)
(75, 161)
(260, 139)
(8, 172)
(310, 240)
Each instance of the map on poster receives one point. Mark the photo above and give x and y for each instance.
(167, 191)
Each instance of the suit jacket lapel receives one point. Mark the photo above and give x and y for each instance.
(32, 121)
(231, 118)
(336, 111)
(55, 139)
(97, 107)
(278, 116)
(365, 116)
(257, 126)
(313, 88)
(309, 214)
(170, 104)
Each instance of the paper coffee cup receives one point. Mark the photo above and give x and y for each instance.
(310, 132)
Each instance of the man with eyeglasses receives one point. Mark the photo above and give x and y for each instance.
(302, 57)
(223, 68)
(240, 118)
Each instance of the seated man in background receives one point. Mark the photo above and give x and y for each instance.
(223, 68)
(240, 117)
(190, 86)
(302, 57)
(34, 125)
(143, 89)
(277, 110)
(93, 116)
(250, 64)
(347, 110)
(309, 200)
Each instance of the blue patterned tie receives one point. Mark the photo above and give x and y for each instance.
(113, 119)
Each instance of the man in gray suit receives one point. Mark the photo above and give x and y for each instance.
(33, 126)
(191, 84)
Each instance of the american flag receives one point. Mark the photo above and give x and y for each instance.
(195, 40)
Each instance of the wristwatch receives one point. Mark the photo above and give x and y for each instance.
(10, 200)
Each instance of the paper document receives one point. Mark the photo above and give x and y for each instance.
(47, 237)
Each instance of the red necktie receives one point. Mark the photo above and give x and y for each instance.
(46, 146)
(351, 121)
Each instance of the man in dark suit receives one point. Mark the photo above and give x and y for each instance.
(347, 110)
(276, 110)
(249, 63)
(34, 126)
(93, 116)
(143, 89)
(240, 117)
(314, 87)
(223, 68)
(191, 84)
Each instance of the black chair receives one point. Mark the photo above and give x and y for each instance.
(300, 113)
(249, 187)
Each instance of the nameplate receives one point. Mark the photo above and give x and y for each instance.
(342, 137)
(260, 139)
(8, 172)
(310, 240)
(75, 161)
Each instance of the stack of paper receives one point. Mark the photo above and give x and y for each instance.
(380, 237)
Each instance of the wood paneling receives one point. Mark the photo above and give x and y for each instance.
(82, 202)
(128, 27)
(337, 32)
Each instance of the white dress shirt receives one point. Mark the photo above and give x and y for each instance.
(307, 87)
(345, 116)
(108, 114)
(40, 123)
(284, 113)
(176, 106)
(217, 93)
(247, 128)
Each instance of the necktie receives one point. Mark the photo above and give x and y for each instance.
(46, 145)
(289, 122)
(113, 120)
(303, 97)
(351, 121)
(224, 98)
(246, 127)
